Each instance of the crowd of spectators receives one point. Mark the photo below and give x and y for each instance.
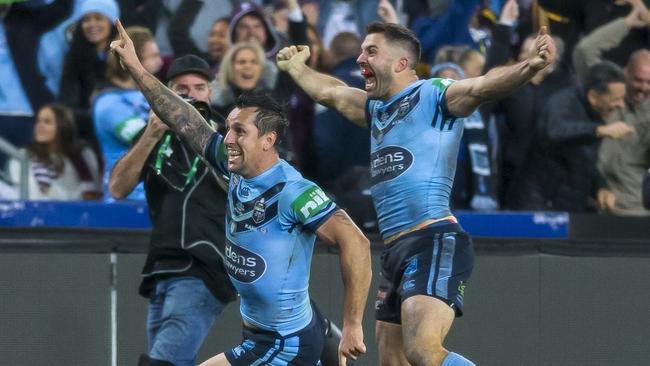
(576, 138)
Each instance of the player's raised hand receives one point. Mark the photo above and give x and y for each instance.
(544, 52)
(123, 47)
(292, 55)
(351, 345)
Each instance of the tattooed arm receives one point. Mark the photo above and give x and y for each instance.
(179, 115)
(340, 230)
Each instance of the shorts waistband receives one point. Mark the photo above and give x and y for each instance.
(427, 224)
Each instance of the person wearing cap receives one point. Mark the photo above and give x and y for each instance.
(183, 275)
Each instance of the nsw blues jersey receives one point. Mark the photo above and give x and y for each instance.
(119, 115)
(271, 225)
(414, 146)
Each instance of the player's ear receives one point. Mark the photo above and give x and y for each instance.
(269, 140)
(402, 64)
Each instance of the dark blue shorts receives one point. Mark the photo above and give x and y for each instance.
(262, 347)
(436, 261)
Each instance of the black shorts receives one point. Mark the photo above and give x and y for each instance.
(262, 347)
(436, 261)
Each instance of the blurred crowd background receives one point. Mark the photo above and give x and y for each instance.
(576, 138)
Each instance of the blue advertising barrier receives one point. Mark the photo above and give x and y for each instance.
(134, 215)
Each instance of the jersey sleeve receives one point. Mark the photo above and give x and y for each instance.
(118, 118)
(306, 204)
(215, 153)
(440, 87)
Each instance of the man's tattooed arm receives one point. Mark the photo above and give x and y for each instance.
(179, 115)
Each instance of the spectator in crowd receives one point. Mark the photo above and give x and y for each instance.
(303, 110)
(571, 19)
(120, 111)
(218, 43)
(54, 45)
(339, 144)
(60, 166)
(623, 162)
(474, 181)
(248, 23)
(192, 28)
(184, 275)
(563, 175)
(519, 115)
(22, 88)
(338, 16)
(449, 28)
(245, 68)
(84, 66)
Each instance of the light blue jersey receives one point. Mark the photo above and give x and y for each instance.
(119, 116)
(414, 147)
(271, 226)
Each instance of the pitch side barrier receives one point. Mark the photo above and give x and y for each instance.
(123, 227)
(548, 288)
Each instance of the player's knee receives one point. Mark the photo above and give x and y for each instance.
(424, 356)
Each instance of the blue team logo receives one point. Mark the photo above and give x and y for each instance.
(388, 163)
(243, 265)
(259, 211)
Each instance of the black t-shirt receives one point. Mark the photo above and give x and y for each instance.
(187, 217)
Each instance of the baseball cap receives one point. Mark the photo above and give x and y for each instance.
(189, 64)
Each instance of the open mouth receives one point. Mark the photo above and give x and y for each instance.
(369, 75)
(233, 155)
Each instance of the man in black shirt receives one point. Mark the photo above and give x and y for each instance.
(183, 276)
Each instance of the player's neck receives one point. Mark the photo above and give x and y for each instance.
(263, 165)
(400, 83)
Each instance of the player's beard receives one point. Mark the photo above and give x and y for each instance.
(383, 81)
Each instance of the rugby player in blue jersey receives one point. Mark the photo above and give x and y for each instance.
(273, 218)
(416, 126)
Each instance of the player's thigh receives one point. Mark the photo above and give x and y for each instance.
(426, 321)
(218, 360)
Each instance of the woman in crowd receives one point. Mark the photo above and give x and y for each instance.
(85, 64)
(59, 166)
(244, 68)
(120, 111)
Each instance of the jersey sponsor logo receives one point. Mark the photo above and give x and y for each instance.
(243, 265)
(388, 163)
(310, 203)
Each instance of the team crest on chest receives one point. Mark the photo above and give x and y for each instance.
(404, 108)
(259, 211)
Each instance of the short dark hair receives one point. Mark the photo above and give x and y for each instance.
(270, 115)
(600, 75)
(401, 35)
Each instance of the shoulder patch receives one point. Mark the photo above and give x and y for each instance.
(309, 203)
(442, 83)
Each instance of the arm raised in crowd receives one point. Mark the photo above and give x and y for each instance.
(176, 113)
(590, 49)
(324, 89)
(464, 96)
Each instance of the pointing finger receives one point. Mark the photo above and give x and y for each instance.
(542, 31)
(121, 30)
